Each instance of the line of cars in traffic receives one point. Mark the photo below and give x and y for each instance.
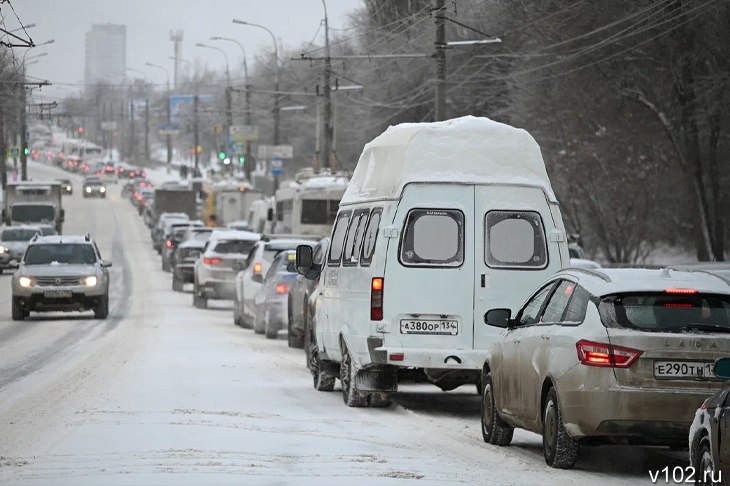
(460, 276)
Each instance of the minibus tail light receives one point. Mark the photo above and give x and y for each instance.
(376, 299)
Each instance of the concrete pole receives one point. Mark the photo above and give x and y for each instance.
(439, 11)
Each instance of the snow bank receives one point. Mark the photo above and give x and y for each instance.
(464, 150)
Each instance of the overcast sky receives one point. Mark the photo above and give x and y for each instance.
(148, 29)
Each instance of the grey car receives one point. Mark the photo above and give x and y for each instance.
(187, 253)
(61, 273)
(272, 300)
(302, 299)
(13, 242)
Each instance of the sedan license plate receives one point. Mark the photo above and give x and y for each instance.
(434, 327)
(57, 294)
(683, 369)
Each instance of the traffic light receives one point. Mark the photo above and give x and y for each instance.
(81, 130)
(241, 159)
(26, 150)
(222, 153)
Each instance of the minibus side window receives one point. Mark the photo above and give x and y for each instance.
(433, 238)
(354, 237)
(338, 238)
(515, 239)
(371, 235)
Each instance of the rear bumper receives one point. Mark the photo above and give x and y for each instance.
(630, 415)
(447, 359)
(185, 272)
(218, 289)
(276, 314)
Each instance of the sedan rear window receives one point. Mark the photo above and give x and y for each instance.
(234, 246)
(667, 312)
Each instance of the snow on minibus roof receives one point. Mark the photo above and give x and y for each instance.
(462, 150)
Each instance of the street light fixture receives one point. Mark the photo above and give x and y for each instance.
(169, 114)
(276, 84)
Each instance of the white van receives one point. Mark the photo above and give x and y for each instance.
(440, 223)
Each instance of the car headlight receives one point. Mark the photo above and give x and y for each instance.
(88, 189)
(3, 250)
(90, 281)
(25, 282)
(68, 188)
(103, 189)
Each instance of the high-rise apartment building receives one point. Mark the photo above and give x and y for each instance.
(106, 54)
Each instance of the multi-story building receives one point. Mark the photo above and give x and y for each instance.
(106, 54)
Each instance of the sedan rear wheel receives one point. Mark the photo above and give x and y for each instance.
(560, 449)
(705, 467)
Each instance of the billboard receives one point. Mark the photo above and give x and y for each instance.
(182, 106)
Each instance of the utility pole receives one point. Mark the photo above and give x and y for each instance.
(147, 131)
(131, 129)
(23, 135)
(3, 153)
(439, 11)
(328, 128)
(196, 128)
(176, 36)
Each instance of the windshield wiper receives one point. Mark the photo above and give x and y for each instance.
(699, 327)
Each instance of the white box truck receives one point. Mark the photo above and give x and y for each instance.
(33, 202)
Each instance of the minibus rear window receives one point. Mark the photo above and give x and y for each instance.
(433, 237)
(515, 239)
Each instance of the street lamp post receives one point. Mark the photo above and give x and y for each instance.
(276, 85)
(247, 164)
(229, 108)
(168, 138)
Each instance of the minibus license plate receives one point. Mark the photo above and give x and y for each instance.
(435, 327)
(683, 369)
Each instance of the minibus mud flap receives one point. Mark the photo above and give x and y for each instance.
(377, 378)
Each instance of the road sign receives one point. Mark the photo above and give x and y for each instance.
(280, 151)
(244, 133)
(277, 166)
(217, 128)
(108, 126)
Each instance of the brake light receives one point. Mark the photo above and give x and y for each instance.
(169, 243)
(257, 268)
(680, 291)
(376, 299)
(679, 306)
(397, 356)
(211, 261)
(282, 288)
(605, 355)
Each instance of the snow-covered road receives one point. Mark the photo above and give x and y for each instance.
(162, 393)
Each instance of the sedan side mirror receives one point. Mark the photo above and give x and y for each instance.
(498, 317)
(239, 266)
(257, 277)
(106, 264)
(722, 368)
(13, 264)
(291, 267)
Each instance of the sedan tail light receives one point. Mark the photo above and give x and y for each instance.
(282, 288)
(211, 261)
(605, 355)
(168, 243)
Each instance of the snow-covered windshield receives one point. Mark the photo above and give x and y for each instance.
(667, 312)
(33, 213)
(72, 253)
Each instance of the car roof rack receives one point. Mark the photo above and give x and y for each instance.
(590, 271)
(87, 237)
(707, 272)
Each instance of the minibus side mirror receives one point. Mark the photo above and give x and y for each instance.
(498, 318)
(722, 368)
(305, 263)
